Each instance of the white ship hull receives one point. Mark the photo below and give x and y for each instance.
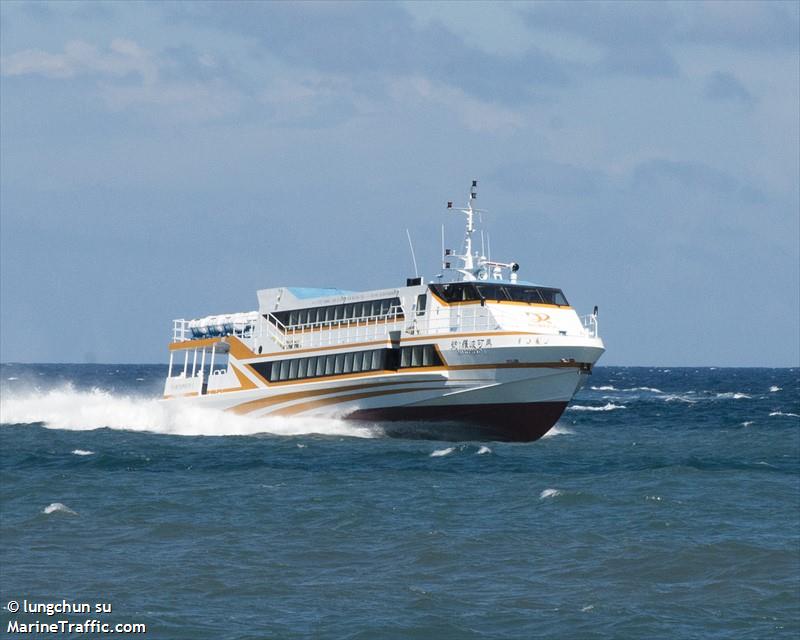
(510, 390)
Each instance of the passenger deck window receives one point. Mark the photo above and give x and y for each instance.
(351, 362)
(333, 315)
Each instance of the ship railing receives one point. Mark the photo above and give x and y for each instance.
(460, 320)
(475, 318)
(589, 323)
(335, 332)
(181, 331)
(378, 327)
(276, 330)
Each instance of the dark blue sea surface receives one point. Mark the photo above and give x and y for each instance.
(665, 504)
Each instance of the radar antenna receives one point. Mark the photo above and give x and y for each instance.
(475, 266)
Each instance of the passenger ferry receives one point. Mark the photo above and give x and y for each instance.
(476, 346)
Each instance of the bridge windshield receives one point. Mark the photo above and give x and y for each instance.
(469, 291)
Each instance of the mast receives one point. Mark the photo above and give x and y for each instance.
(468, 269)
(475, 266)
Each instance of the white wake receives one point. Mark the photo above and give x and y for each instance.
(58, 507)
(68, 408)
(558, 430)
(550, 493)
(609, 406)
(438, 453)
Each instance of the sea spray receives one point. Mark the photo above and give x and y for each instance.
(438, 453)
(549, 493)
(58, 507)
(76, 410)
(609, 406)
(558, 430)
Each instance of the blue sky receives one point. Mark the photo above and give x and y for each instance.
(163, 160)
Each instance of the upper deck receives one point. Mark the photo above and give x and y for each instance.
(480, 295)
(285, 322)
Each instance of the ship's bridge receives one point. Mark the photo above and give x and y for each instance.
(454, 292)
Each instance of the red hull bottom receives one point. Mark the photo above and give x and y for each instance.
(510, 422)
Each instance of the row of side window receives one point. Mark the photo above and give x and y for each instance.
(424, 355)
(352, 362)
(317, 316)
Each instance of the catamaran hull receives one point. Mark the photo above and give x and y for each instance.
(515, 401)
(519, 405)
(510, 422)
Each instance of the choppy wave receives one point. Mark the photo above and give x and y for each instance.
(558, 431)
(70, 409)
(484, 449)
(82, 452)
(609, 387)
(788, 415)
(442, 452)
(775, 388)
(609, 406)
(58, 507)
(549, 493)
(680, 398)
(689, 397)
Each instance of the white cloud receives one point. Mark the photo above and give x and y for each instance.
(304, 89)
(155, 83)
(293, 96)
(121, 58)
(35, 61)
(475, 114)
(183, 100)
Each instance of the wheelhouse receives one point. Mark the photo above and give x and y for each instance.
(454, 292)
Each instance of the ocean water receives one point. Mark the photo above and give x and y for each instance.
(664, 504)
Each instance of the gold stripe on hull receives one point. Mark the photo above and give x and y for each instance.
(255, 405)
(414, 370)
(323, 402)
